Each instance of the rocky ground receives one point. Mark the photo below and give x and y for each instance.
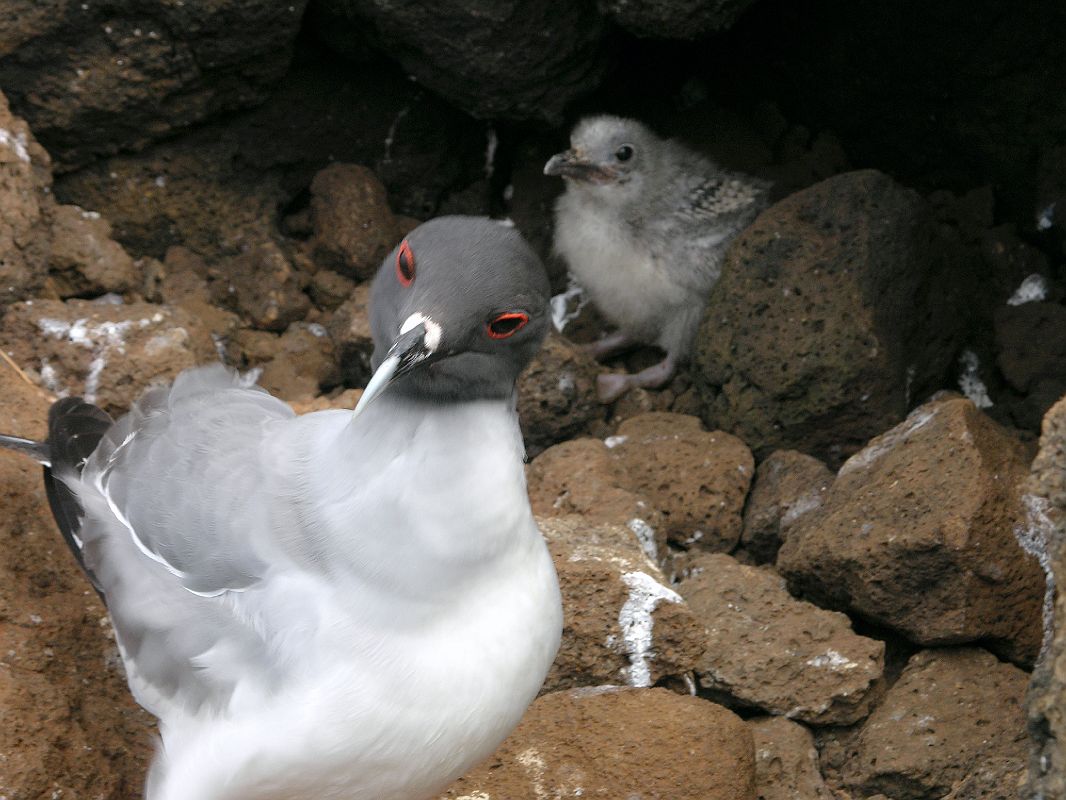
(820, 564)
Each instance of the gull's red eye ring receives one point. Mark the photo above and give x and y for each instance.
(405, 264)
(507, 324)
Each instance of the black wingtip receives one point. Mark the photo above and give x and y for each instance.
(38, 451)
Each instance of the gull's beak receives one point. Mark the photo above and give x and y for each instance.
(569, 164)
(408, 352)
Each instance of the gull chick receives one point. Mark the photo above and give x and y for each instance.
(643, 225)
(336, 606)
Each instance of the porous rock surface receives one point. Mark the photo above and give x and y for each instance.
(518, 59)
(951, 712)
(70, 727)
(1045, 529)
(94, 78)
(768, 650)
(622, 624)
(84, 260)
(104, 352)
(835, 308)
(557, 395)
(25, 206)
(673, 19)
(698, 479)
(916, 533)
(786, 761)
(787, 485)
(612, 743)
(353, 225)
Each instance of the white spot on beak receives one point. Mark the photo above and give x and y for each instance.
(432, 329)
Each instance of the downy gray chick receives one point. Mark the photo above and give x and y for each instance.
(643, 226)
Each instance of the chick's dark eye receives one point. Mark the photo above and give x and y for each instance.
(405, 264)
(624, 153)
(507, 324)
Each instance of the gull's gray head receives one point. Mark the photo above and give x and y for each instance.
(608, 156)
(457, 311)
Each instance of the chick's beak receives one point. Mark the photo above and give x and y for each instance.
(569, 164)
(409, 351)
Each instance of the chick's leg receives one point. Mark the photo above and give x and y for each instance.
(608, 345)
(613, 385)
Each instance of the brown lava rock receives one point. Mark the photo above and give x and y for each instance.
(557, 395)
(353, 341)
(84, 260)
(70, 727)
(354, 227)
(25, 206)
(951, 712)
(787, 485)
(697, 479)
(302, 364)
(104, 352)
(834, 309)
(995, 779)
(621, 622)
(613, 743)
(1031, 354)
(768, 650)
(786, 761)
(94, 79)
(580, 477)
(916, 534)
(263, 287)
(1045, 531)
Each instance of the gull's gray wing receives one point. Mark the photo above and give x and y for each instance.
(178, 513)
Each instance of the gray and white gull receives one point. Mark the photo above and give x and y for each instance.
(338, 606)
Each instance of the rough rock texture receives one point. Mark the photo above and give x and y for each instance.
(768, 650)
(353, 225)
(996, 779)
(673, 19)
(95, 78)
(916, 534)
(353, 342)
(1031, 355)
(580, 477)
(697, 479)
(70, 727)
(303, 364)
(557, 395)
(184, 284)
(621, 624)
(835, 308)
(787, 485)
(84, 260)
(612, 744)
(219, 188)
(1046, 531)
(786, 763)
(25, 205)
(950, 712)
(519, 59)
(263, 287)
(106, 353)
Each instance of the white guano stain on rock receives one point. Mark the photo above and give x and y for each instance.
(645, 534)
(1034, 534)
(533, 762)
(101, 339)
(970, 382)
(832, 660)
(1032, 290)
(635, 620)
(612, 442)
(17, 143)
(915, 421)
(803, 505)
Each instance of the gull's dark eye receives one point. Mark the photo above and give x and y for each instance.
(624, 153)
(507, 324)
(405, 264)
